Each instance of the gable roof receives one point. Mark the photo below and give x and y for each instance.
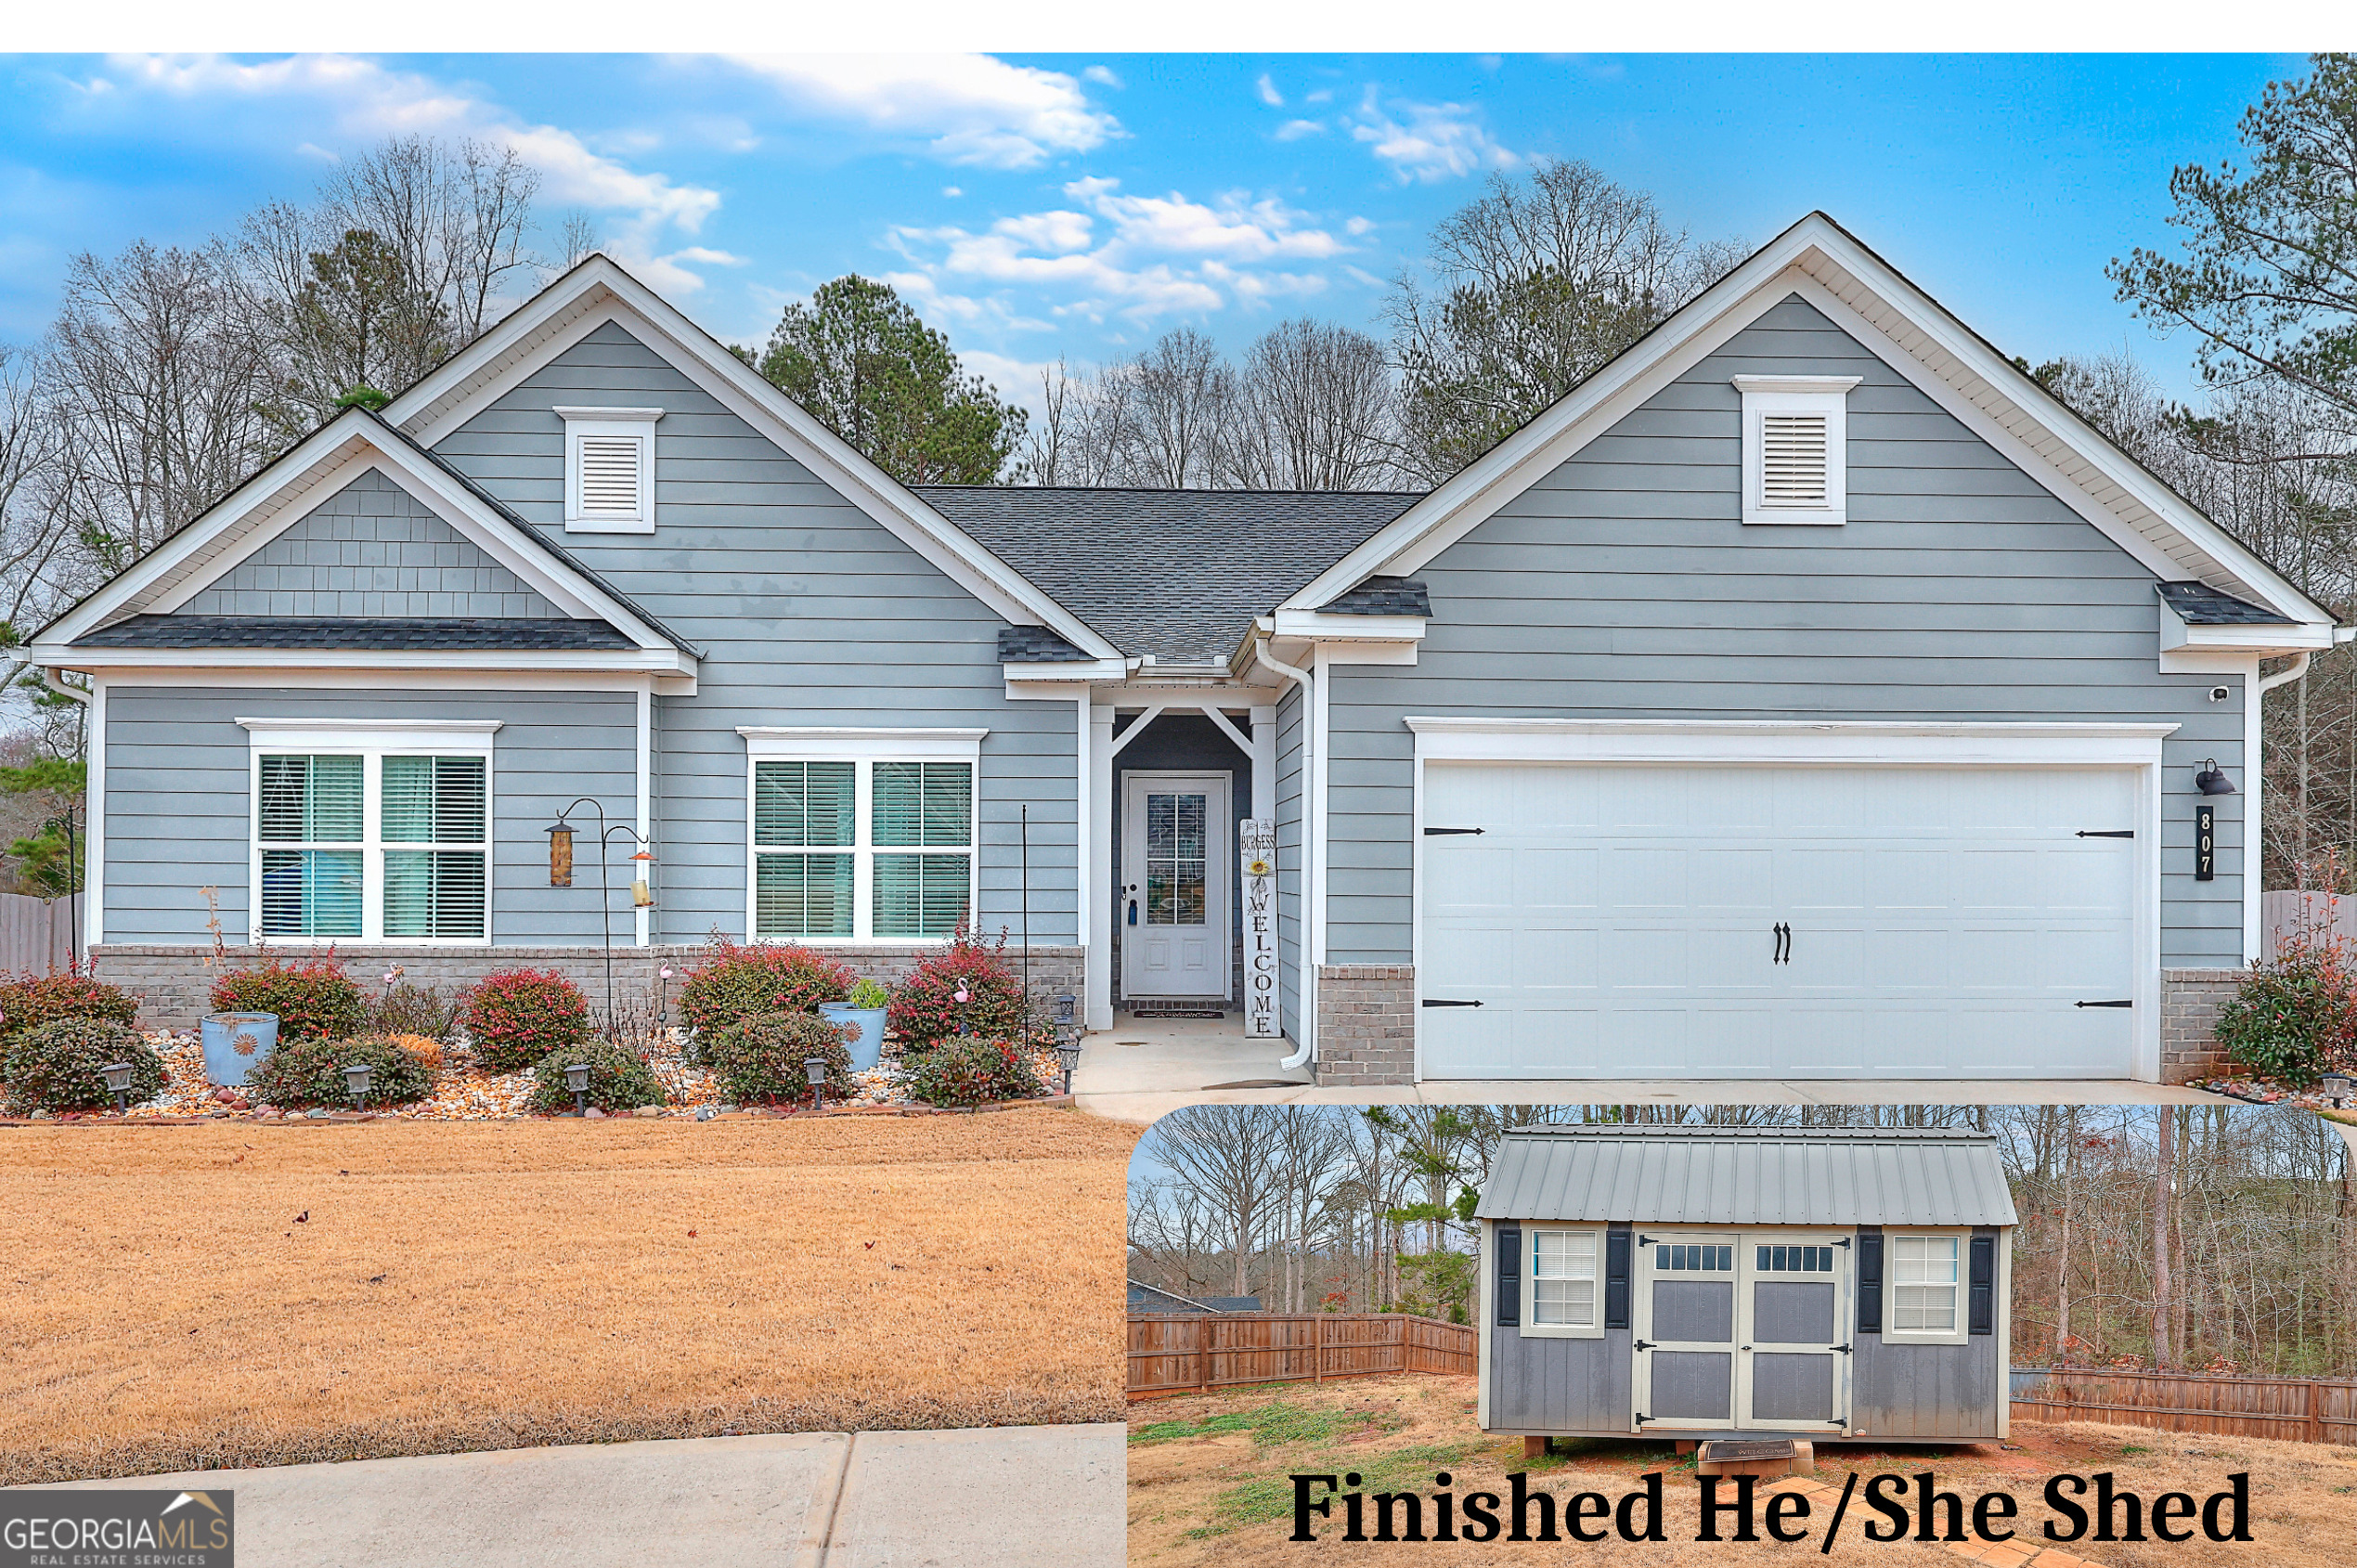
(285, 491)
(598, 290)
(1912, 331)
(1749, 1175)
(1180, 575)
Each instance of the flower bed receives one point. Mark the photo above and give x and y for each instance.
(463, 1093)
(2268, 1092)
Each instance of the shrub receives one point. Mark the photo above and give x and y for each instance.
(620, 1079)
(2296, 1015)
(310, 1072)
(56, 1067)
(744, 982)
(314, 1000)
(868, 996)
(31, 1001)
(926, 1008)
(413, 1009)
(760, 1058)
(519, 1016)
(972, 1072)
(425, 1047)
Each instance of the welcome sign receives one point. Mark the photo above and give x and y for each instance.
(1256, 838)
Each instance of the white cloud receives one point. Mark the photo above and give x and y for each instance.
(1269, 95)
(359, 100)
(1427, 141)
(1356, 226)
(964, 109)
(951, 190)
(1294, 130)
(1110, 253)
(1103, 76)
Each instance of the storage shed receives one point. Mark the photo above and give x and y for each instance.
(1705, 1282)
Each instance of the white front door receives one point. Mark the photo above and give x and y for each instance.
(1175, 835)
(1637, 921)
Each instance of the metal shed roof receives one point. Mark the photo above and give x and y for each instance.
(1749, 1175)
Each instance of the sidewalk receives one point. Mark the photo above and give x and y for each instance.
(1141, 1069)
(990, 1497)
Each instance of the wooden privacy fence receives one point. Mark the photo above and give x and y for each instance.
(1173, 1354)
(2286, 917)
(2289, 1409)
(35, 934)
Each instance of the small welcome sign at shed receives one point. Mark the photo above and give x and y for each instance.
(1256, 838)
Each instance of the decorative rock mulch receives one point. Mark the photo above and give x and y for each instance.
(2268, 1092)
(463, 1093)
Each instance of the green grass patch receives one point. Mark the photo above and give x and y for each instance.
(1271, 1424)
(1268, 1497)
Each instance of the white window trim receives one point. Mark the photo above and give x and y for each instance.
(1828, 395)
(866, 747)
(372, 741)
(1532, 1327)
(634, 424)
(1892, 1333)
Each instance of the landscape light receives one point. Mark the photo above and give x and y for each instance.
(815, 1069)
(118, 1076)
(1065, 1005)
(1068, 1052)
(356, 1077)
(577, 1078)
(2338, 1088)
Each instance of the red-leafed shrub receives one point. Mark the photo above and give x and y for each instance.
(30, 1000)
(738, 981)
(314, 1000)
(62, 1066)
(926, 1006)
(517, 1016)
(972, 1072)
(763, 1058)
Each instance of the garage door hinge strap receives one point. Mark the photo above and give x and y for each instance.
(1443, 1002)
(1442, 832)
(2123, 1002)
(2107, 833)
(1644, 1345)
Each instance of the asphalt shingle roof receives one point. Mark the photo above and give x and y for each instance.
(2200, 604)
(1382, 596)
(1036, 645)
(383, 633)
(1177, 573)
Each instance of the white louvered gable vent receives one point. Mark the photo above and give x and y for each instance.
(609, 470)
(1796, 442)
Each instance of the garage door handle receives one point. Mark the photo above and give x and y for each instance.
(2107, 833)
(1441, 1002)
(2123, 1002)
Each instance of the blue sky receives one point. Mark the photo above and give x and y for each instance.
(1037, 205)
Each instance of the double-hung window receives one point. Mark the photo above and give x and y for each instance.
(862, 835)
(1925, 1287)
(370, 834)
(1564, 1296)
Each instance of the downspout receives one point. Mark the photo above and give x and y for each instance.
(1305, 988)
(2254, 781)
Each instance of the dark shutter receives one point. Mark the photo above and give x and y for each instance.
(1984, 1281)
(1616, 1279)
(1510, 1276)
(1869, 1281)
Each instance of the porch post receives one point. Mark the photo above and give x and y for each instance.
(1264, 763)
(1099, 913)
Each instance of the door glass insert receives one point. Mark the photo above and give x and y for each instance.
(1796, 1260)
(1709, 1260)
(1174, 852)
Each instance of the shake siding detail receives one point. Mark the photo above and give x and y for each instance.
(178, 818)
(1624, 585)
(371, 549)
(810, 613)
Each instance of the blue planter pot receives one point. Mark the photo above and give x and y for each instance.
(867, 1049)
(224, 1032)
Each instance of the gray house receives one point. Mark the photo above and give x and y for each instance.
(1808, 693)
(1696, 1283)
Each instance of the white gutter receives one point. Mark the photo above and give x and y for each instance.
(2290, 672)
(1306, 987)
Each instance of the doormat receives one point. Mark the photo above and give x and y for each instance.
(1174, 1010)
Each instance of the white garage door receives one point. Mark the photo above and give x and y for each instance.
(1644, 920)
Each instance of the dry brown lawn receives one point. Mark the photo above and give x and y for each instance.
(239, 1295)
(1223, 1497)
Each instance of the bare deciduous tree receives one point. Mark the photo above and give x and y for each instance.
(1314, 411)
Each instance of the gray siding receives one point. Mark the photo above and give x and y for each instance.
(1923, 1391)
(1624, 585)
(1292, 713)
(178, 816)
(371, 549)
(1559, 1385)
(812, 615)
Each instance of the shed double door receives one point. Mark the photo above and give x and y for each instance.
(1742, 1330)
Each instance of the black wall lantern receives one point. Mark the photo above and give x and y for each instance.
(2210, 781)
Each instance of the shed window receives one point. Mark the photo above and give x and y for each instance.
(1796, 1260)
(1563, 1278)
(860, 848)
(372, 843)
(1923, 1279)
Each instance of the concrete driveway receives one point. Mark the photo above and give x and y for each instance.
(1141, 1069)
(993, 1498)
